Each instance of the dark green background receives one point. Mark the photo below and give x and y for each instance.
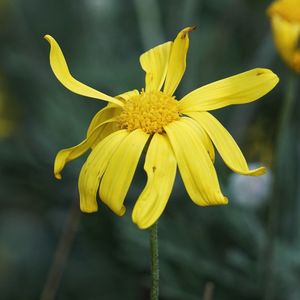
(226, 248)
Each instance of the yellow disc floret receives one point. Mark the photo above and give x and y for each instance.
(149, 111)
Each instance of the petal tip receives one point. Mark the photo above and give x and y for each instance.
(264, 71)
(187, 30)
(140, 224)
(225, 201)
(89, 210)
(48, 37)
(121, 212)
(259, 171)
(57, 176)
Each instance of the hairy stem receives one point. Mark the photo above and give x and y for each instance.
(154, 262)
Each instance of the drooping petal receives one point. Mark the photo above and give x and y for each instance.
(177, 61)
(94, 168)
(66, 155)
(195, 166)
(62, 73)
(238, 89)
(160, 166)
(155, 63)
(225, 144)
(120, 170)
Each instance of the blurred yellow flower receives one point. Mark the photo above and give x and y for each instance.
(285, 19)
(173, 132)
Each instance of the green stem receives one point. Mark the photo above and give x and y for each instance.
(62, 253)
(154, 262)
(284, 121)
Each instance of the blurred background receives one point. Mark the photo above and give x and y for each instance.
(249, 249)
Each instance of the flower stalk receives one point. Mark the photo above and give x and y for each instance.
(154, 262)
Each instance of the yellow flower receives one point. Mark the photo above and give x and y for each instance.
(285, 19)
(174, 132)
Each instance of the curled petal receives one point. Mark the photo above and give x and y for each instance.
(238, 89)
(160, 166)
(62, 73)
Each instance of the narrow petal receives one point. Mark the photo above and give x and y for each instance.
(155, 63)
(62, 73)
(225, 144)
(94, 168)
(177, 61)
(195, 166)
(66, 155)
(160, 166)
(118, 176)
(238, 89)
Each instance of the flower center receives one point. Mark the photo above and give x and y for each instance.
(149, 112)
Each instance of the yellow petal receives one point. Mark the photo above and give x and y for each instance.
(94, 168)
(66, 155)
(155, 63)
(106, 113)
(62, 73)
(195, 166)
(238, 89)
(120, 170)
(205, 139)
(177, 61)
(225, 144)
(160, 166)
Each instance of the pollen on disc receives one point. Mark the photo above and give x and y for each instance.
(149, 112)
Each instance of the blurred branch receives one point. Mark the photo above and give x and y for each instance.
(208, 291)
(62, 253)
(279, 172)
(149, 19)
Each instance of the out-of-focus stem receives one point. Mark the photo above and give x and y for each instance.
(151, 31)
(270, 252)
(61, 254)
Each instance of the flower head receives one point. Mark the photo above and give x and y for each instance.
(173, 132)
(285, 19)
